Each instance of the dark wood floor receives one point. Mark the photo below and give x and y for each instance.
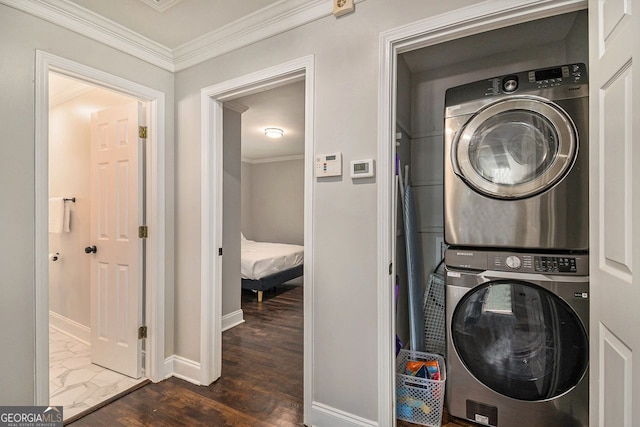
(261, 384)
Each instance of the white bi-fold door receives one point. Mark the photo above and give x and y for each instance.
(614, 27)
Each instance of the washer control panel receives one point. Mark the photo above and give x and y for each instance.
(563, 264)
(554, 264)
(535, 263)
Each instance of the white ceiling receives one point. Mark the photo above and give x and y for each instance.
(182, 22)
(87, 98)
(63, 89)
(282, 108)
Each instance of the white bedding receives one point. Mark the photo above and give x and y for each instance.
(260, 259)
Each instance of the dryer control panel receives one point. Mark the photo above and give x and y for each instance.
(556, 76)
(566, 81)
(563, 264)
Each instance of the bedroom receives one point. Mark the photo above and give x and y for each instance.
(264, 180)
(272, 208)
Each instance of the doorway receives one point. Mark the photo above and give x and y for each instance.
(428, 33)
(87, 366)
(271, 187)
(154, 178)
(213, 98)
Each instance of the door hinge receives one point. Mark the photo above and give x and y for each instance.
(143, 232)
(142, 332)
(220, 251)
(390, 268)
(142, 132)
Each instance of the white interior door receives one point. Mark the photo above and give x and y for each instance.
(116, 212)
(615, 212)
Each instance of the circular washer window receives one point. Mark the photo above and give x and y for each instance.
(520, 340)
(516, 147)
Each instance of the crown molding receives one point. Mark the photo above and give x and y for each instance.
(269, 21)
(273, 159)
(87, 23)
(277, 18)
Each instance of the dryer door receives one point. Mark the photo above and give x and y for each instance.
(516, 147)
(520, 340)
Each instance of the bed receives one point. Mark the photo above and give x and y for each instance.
(265, 265)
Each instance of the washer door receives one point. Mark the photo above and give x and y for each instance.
(515, 148)
(520, 340)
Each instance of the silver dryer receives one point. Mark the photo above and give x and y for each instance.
(516, 161)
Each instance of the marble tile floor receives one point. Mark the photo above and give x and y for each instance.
(74, 382)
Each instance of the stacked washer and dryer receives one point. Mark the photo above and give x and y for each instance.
(516, 222)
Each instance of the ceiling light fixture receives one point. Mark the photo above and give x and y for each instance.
(274, 132)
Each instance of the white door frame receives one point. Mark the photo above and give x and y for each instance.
(453, 25)
(212, 99)
(155, 244)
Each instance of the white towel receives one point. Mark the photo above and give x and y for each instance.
(66, 221)
(56, 214)
(59, 216)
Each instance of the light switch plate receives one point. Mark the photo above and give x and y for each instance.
(342, 7)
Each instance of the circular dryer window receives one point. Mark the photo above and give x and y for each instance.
(516, 147)
(520, 340)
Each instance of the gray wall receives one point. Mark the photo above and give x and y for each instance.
(277, 191)
(231, 207)
(246, 205)
(345, 222)
(273, 202)
(20, 36)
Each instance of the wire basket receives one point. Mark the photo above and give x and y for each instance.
(435, 340)
(419, 400)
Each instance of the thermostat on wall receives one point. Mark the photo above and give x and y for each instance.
(328, 165)
(362, 168)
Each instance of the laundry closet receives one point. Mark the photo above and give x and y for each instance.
(423, 77)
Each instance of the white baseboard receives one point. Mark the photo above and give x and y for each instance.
(180, 367)
(70, 327)
(327, 415)
(232, 319)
